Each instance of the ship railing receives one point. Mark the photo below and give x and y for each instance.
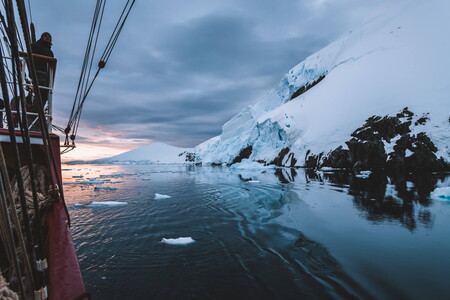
(46, 84)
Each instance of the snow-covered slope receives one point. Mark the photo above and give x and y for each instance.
(400, 59)
(153, 153)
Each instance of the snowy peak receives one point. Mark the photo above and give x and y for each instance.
(154, 153)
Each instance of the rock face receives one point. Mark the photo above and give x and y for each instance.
(367, 147)
(245, 153)
(421, 155)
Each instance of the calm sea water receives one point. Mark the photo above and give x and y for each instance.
(283, 235)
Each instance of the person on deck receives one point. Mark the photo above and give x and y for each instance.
(42, 47)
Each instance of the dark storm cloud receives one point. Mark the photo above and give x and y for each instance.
(181, 69)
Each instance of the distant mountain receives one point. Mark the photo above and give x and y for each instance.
(379, 97)
(153, 153)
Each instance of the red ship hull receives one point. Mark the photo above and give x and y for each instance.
(65, 279)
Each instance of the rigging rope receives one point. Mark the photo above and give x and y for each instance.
(84, 85)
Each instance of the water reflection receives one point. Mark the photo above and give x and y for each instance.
(381, 198)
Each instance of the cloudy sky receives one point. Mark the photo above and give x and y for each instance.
(181, 69)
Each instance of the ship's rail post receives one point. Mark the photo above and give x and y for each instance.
(51, 74)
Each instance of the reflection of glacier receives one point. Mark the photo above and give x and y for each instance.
(259, 211)
(380, 198)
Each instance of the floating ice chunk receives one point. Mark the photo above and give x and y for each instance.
(442, 193)
(178, 241)
(160, 196)
(408, 153)
(101, 187)
(366, 172)
(78, 204)
(107, 204)
(253, 181)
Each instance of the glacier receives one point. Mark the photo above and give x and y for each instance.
(397, 60)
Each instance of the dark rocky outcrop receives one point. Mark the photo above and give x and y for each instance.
(367, 154)
(245, 153)
(306, 87)
(421, 156)
(366, 149)
(278, 161)
(189, 156)
(338, 158)
(312, 161)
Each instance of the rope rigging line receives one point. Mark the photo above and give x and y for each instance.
(35, 247)
(16, 159)
(95, 27)
(84, 89)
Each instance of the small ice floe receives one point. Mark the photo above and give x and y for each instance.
(363, 174)
(178, 241)
(253, 181)
(442, 193)
(78, 205)
(107, 204)
(160, 196)
(103, 277)
(104, 187)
